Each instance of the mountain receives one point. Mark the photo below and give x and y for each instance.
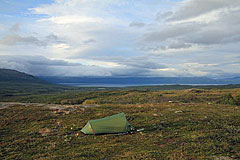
(8, 75)
(15, 84)
(138, 80)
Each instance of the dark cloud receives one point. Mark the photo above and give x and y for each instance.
(42, 61)
(179, 45)
(37, 60)
(21, 63)
(39, 65)
(130, 72)
(16, 39)
(162, 16)
(142, 63)
(141, 66)
(194, 8)
(89, 41)
(137, 24)
(221, 30)
(52, 38)
(171, 32)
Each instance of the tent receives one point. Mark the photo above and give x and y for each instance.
(113, 124)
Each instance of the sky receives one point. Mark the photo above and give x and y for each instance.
(133, 38)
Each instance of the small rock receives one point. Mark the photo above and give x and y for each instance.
(82, 109)
(141, 133)
(58, 123)
(67, 112)
(178, 111)
(55, 111)
(44, 131)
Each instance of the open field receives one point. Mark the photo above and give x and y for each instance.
(178, 124)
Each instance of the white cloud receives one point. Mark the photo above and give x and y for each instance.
(196, 24)
(127, 38)
(72, 19)
(61, 46)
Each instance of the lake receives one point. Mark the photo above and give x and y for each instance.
(125, 85)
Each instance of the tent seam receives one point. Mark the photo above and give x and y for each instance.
(92, 128)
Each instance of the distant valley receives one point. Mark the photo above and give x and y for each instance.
(14, 84)
(138, 81)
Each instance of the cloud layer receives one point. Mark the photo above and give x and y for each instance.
(125, 38)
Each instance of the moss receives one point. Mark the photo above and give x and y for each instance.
(195, 129)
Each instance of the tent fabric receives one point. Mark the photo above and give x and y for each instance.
(113, 124)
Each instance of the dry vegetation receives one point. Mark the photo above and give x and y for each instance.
(184, 124)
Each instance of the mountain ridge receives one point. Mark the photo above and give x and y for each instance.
(9, 75)
(140, 80)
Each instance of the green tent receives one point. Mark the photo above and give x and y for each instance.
(113, 124)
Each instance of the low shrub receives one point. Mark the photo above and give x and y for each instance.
(229, 99)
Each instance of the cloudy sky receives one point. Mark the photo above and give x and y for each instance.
(121, 37)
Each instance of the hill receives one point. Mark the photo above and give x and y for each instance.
(14, 83)
(8, 75)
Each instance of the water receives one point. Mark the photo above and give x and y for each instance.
(105, 85)
(126, 85)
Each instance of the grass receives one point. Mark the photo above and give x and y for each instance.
(178, 124)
